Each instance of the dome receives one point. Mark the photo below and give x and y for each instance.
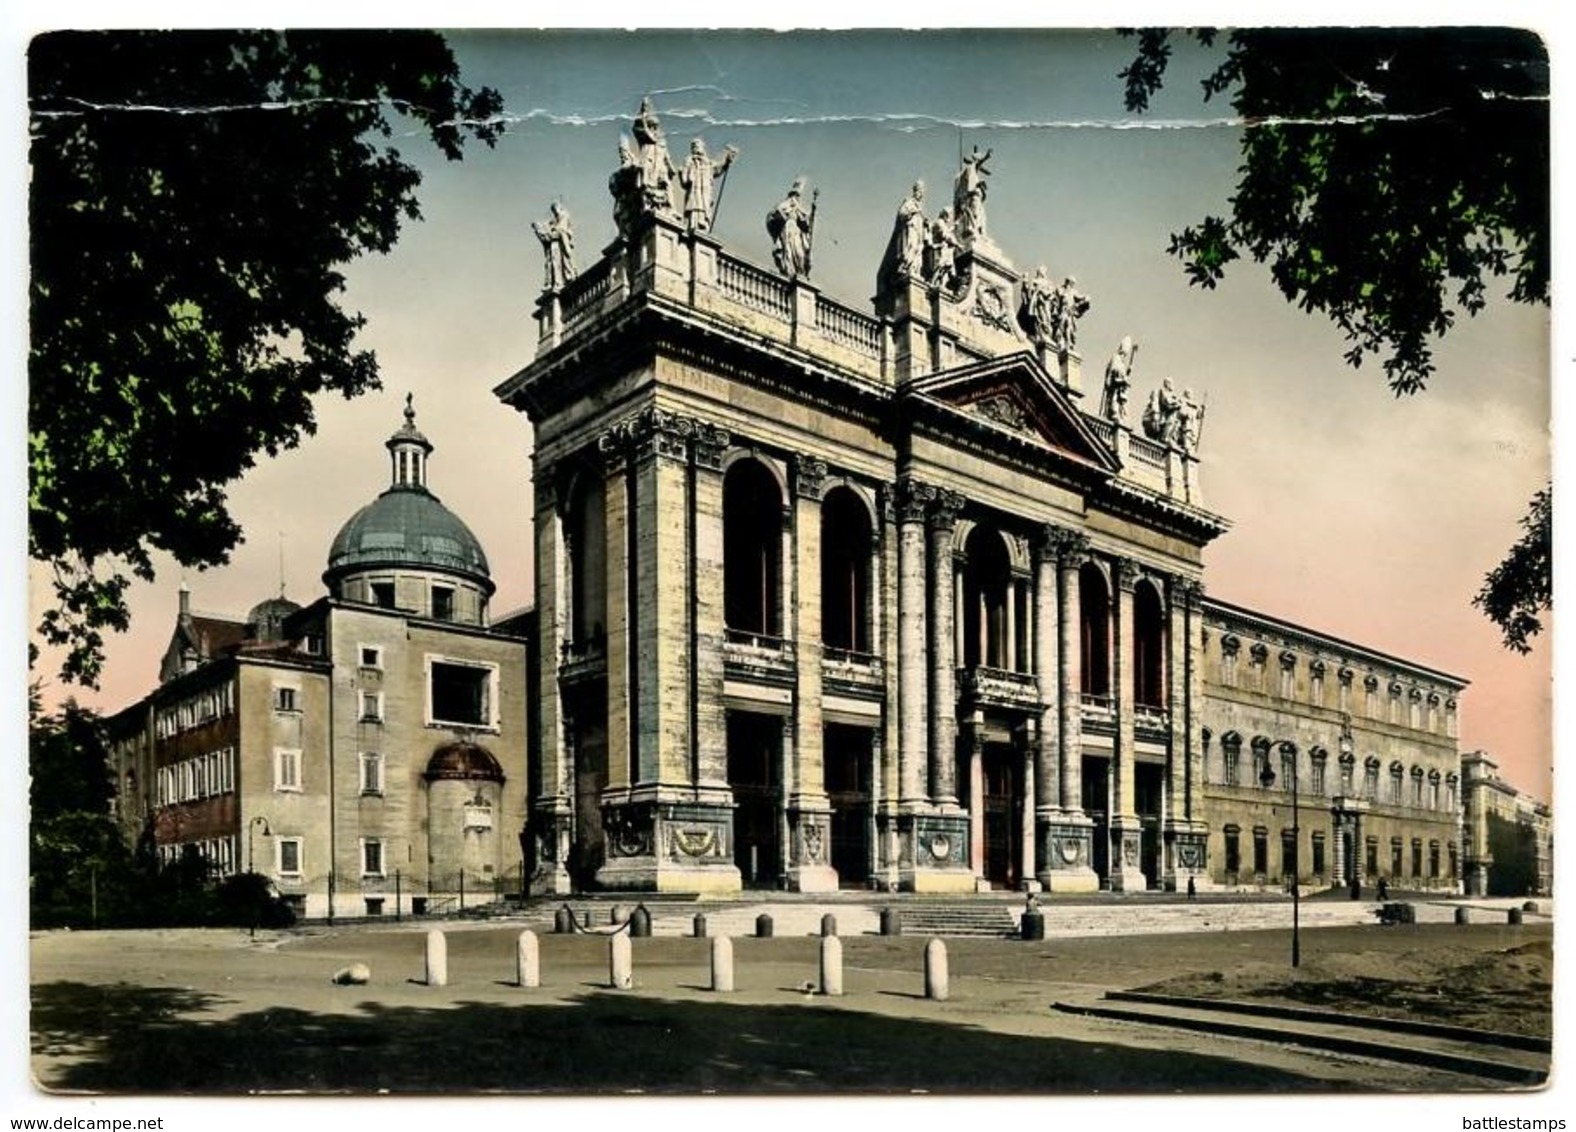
(407, 527)
(266, 621)
(463, 760)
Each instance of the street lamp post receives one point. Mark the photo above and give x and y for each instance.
(251, 828)
(1267, 779)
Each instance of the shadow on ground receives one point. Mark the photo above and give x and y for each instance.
(128, 1038)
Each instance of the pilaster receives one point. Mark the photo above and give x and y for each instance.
(711, 725)
(943, 658)
(552, 815)
(1067, 835)
(809, 811)
(913, 499)
(1126, 876)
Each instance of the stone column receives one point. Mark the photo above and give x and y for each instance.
(1187, 725)
(809, 811)
(553, 813)
(913, 498)
(943, 659)
(1028, 759)
(711, 719)
(616, 513)
(888, 743)
(1066, 851)
(1126, 876)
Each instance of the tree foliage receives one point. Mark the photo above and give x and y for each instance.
(1388, 175)
(1521, 587)
(193, 198)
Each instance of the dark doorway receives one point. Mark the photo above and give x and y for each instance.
(1003, 815)
(1148, 789)
(848, 771)
(754, 754)
(1096, 797)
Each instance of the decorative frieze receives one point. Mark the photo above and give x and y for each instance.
(809, 477)
(709, 446)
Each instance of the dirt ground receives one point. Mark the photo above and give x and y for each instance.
(218, 1012)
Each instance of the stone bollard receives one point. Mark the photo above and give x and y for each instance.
(437, 959)
(640, 922)
(1463, 915)
(1513, 916)
(936, 970)
(585, 919)
(831, 965)
(563, 921)
(620, 962)
(763, 926)
(722, 964)
(1032, 926)
(891, 921)
(527, 961)
(700, 926)
(828, 925)
(619, 915)
(1530, 906)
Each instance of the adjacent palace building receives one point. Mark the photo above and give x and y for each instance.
(824, 598)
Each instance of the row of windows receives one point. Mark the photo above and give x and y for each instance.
(441, 604)
(1409, 707)
(290, 856)
(1429, 790)
(458, 694)
(289, 772)
(201, 776)
(201, 707)
(1289, 864)
(217, 852)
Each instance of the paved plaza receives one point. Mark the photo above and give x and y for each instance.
(222, 1012)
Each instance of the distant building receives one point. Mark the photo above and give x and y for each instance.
(370, 742)
(1508, 835)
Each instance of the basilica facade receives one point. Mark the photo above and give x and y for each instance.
(838, 597)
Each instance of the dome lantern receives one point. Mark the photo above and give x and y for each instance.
(408, 452)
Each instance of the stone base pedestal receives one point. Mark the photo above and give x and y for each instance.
(809, 868)
(1126, 876)
(551, 836)
(654, 846)
(1185, 857)
(1066, 850)
(936, 854)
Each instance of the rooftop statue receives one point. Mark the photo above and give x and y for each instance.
(1068, 305)
(792, 230)
(941, 251)
(904, 258)
(699, 178)
(558, 246)
(1190, 422)
(1118, 380)
(624, 184)
(968, 195)
(651, 158)
(1160, 414)
(1036, 308)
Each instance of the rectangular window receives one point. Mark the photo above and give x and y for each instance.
(1316, 689)
(287, 769)
(1396, 863)
(1316, 781)
(371, 656)
(383, 594)
(1261, 851)
(372, 706)
(1417, 858)
(371, 857)
(1371, 857)
(289, 856)
(461, 693)
(285, 699)
(1318, 855)
(442, 603)
(1233, 850)
(1288, 681)
(374, 905)
(1231, 753)
(371, 773)
(1433, 859)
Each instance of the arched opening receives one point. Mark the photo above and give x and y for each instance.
(1095, 635)
(752, 519)
(987, 586)
(1149, 647)
(585, 531)
(845, 571)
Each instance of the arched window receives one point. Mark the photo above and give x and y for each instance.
(987, 581)
(1149, 647)
(1095, 598)
(585, 532)
(752, 520)
(845, 571)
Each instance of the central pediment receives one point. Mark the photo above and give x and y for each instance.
(1015, 396)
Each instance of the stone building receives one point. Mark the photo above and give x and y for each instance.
(1508, 836)
(368, 747)
(1368, 740)
(831, 597)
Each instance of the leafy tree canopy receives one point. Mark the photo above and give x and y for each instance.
(193, 197)
(1522, 586)
(68, 764)
(1388, 175)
